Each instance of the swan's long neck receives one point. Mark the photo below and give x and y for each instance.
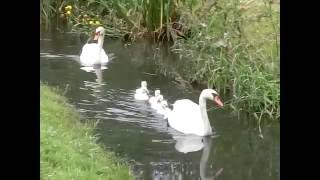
(100, 41)
(100, 45)
(204, 115)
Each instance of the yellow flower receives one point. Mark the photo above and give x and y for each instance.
(97, 22)
(68, 7)
(90, 22)
(68, 12)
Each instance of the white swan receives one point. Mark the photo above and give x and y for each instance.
(155, 98)
(93, 53)
(142, 93)
(164, 109)
(157, 104)
(191, 118)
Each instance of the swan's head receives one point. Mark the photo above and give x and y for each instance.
(157, 92)
(212, 95)
(144, 84)
(99, 32)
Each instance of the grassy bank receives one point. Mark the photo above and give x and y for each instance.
(232, 45)
(68, 148)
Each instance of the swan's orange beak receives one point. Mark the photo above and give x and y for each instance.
(96, 36)
(218, 101)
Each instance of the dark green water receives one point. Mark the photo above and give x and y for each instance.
(134, 131)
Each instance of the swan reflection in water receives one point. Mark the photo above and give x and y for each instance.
(92, 106)
(192, 143)
(188, 145)
(97, 86)
(97, 69)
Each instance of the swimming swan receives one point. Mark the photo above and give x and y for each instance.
(154, 99)
(142, 93)
(93, 53)
(191, 118)
(164, 109)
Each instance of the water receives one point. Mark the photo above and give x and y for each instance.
(137, 133)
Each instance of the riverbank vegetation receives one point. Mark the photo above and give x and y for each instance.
(232, 45)
(68, 148)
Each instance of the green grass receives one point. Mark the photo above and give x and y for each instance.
(232, 45)
(68, 148)
(133, 18)
(237, 52)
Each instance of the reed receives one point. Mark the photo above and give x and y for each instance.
(232, 45)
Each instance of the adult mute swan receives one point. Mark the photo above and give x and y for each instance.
(93, 53)
(142, 92)
(191, 118)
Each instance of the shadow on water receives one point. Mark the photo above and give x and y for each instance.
(136, 132)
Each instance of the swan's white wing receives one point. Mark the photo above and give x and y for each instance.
(186, 117)
(141, 95)
(104, 57)
(89, 54)
(139, 91)
(152, 100)
(88, 50)
(185, 105)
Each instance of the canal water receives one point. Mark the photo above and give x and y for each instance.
(135, 132)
